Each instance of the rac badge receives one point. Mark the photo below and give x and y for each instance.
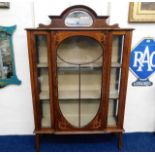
(142, 62)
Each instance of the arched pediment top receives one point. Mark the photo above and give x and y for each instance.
(79, 8)
(78, 16)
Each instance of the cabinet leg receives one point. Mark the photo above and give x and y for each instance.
(37, 142)
(120, 140)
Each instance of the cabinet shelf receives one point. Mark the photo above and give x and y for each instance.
(74, 68)
(93, 64)
(84, 69)
(71, 95)
(65, 99)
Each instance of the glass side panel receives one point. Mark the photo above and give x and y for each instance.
(43, 83)
(41, 44)
(117, 47)
(43, 79)
(114, 82)
(45, 121)
(113, 112)
(79, 62)
(116, 62)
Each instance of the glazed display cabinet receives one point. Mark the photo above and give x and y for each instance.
(79, 71)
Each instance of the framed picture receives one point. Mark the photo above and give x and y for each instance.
(7, 65)
(141, 12)
(4, 5)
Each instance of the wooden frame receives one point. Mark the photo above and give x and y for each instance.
(57, 32)
(141, 12)
(95, 124)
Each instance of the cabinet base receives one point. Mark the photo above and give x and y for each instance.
(38, 136)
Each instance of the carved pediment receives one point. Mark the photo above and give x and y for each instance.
(78, 16)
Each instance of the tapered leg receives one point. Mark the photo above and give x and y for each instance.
(37, 139)
(120, 140)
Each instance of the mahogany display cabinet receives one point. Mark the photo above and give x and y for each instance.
(79, 71)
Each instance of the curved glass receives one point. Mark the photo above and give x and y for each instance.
(79, 62)
(79, 19)
(79, 51)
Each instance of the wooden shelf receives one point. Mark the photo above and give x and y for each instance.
(81, 69)
(64, 99)
(95, 64)
(70, 95)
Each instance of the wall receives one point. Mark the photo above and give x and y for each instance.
(15, 101)
(16, 114)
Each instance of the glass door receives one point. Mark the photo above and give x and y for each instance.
(79, 73)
